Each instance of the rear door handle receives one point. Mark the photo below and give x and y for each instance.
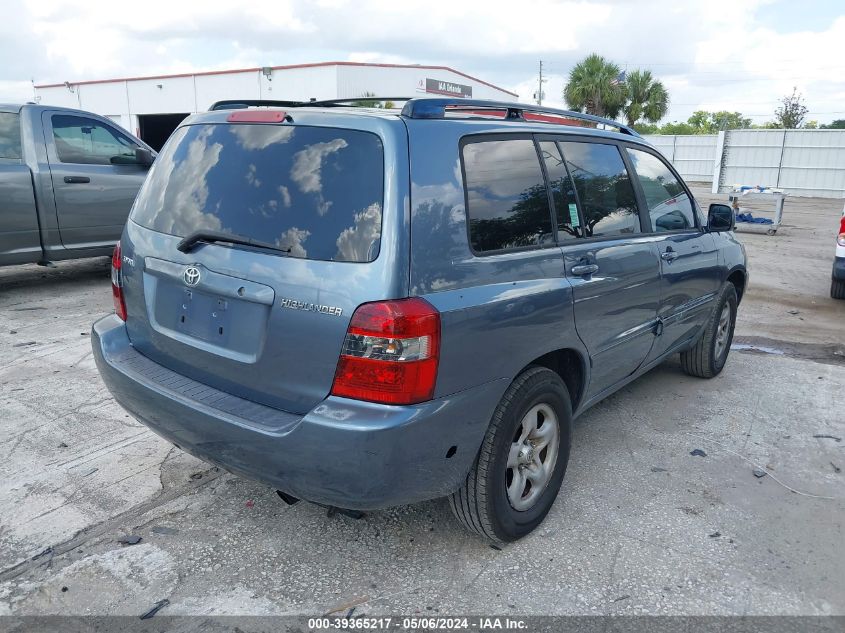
(77, 180)
(669, 255)
(583, 270)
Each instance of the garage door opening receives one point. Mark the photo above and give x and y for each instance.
(155, 129)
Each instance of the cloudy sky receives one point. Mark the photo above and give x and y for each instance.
(711, 54)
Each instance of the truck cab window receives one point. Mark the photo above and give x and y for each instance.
(10, 135)
(90, 142)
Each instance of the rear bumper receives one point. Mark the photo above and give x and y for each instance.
(345, 453)
(839, 268)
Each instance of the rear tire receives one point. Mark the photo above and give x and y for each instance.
(709, 355)
(516, 466)
(837, 288)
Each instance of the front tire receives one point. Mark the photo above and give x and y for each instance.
(708, 357)
(837, 288)
(520, 466)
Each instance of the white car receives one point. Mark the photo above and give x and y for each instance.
(837, 281)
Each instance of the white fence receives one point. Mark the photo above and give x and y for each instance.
(801, 162)
(693, 156)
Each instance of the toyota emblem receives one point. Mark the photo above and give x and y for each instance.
(191, 275)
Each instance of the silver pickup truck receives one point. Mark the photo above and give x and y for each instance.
(67, 181)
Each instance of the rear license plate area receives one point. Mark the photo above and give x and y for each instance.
(204, 316)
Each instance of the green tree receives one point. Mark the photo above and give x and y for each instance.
(646, 128)
(838, 124)
(711, 122)
(811, 125)
(677, 127)
(366, 102)
(594, 87)
(647, 97)
(704, 122)
(790, 114)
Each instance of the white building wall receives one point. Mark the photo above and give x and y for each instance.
(212, 88)
(354, 81)
(161, 96)
(60, 96)
(124, 100)
(301, 84)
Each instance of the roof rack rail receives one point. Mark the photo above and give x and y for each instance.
(427, 108)
(339, 102)
(240, 104)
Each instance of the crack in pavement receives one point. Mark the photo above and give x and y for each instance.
(98, 529)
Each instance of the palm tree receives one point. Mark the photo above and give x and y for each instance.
(647, 97)
(595, 86)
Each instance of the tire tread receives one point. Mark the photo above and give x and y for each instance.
(471, 502)
(699, 361)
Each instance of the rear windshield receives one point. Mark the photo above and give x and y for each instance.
(315, 191)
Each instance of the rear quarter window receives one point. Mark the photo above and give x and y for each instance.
(507, 200)
(315, 192)
(10, 135)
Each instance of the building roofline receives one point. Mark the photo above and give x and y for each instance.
(288, 67)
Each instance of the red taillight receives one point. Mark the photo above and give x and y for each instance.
(117, 284)
(841, 239)
(390, 353)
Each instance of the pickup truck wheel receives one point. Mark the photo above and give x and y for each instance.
(837, 288)
(709, 355)
(520, 466)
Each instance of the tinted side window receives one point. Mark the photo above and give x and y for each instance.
(604, 188)
(10, 135)
(507, 203)
(563, 193)
(90, 142)
(669, 205)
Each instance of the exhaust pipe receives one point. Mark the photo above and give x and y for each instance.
(330, 510)
(288, 499)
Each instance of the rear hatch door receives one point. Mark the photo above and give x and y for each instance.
(264, 321)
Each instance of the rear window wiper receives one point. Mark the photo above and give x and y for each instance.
(189, 241)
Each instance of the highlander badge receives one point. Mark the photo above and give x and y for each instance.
(294, 304)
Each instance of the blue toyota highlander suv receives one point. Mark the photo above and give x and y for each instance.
(364, 308)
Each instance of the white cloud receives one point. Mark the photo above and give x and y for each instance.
(712, 53)
(252, 137)
(353, 243)
(308, 164)
(251, 178)
(293, 239)
(285, 193)
(182, 211)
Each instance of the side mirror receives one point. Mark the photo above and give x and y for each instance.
(720, 217)
(143, 156)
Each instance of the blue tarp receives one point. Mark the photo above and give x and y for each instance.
(747, 217)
